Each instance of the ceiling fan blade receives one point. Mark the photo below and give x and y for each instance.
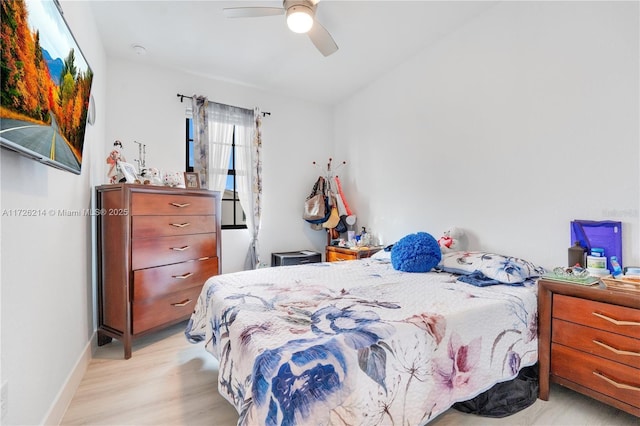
(321, 38)
(252, 12)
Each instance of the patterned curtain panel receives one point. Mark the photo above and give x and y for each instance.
(199, 107)
(249, 179)
(213, 125)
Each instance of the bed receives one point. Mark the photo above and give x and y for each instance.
(360, 343)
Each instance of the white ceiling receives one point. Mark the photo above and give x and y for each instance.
(194, 36)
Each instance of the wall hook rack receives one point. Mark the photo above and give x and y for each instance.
(328, 173)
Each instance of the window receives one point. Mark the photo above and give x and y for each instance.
(233, 216)
(189, 156)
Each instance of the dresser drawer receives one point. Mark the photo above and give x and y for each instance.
(334, 256)
(607, 377)
(615, 347)
(159, 226)
(157, 282)
(170, 204)
(151, 252)
(151, 313)
(604, 316)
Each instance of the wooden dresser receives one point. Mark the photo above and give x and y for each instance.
(336, 254)
(156, 248)
(590, 342)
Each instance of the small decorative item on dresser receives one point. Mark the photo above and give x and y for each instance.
(152, 177)
(114, 157)
(624, 283)
(173, 179)
(192, 180)
(127, 172)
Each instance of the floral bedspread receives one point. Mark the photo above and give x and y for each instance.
(359, 343)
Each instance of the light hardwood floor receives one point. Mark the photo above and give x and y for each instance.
(169, 381)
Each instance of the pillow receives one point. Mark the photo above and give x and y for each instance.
(382, 255)
(418, 252)
(505, 269)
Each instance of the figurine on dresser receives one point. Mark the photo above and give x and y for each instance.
(114, 157)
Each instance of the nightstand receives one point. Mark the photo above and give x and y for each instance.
(589, 341)
(336, 253)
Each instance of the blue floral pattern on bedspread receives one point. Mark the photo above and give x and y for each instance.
(359, 342)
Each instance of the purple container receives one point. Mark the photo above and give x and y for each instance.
(606, 234)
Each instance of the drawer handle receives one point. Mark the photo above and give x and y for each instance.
(179, 205)
(181, 225)
(616, 384)
(614, 350)
(185, 302)
(188, 274)
(180, 248)
(615, 321)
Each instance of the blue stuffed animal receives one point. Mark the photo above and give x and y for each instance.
(417, 252)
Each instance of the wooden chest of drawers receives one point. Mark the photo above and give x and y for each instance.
(590, 342)
(336, 254)
(156, 248)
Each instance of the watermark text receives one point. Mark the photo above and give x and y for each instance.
(63, 212)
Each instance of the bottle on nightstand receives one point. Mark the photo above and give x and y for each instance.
(577, 255)
(616, 269)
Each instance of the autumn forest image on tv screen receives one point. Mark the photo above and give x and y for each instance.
(46, 84)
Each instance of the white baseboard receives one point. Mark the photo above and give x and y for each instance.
(63, 399)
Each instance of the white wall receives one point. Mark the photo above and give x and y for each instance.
(511, 127)
(47, 292)
(143, 107)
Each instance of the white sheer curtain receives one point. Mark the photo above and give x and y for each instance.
(213, 128)
(249, 180)
(213, 125)
(212, 139)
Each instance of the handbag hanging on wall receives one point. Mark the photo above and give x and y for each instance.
(348, 211)
(334, 217)
(316, 206)
(341, 227)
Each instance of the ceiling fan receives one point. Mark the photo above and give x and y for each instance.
(300, 19)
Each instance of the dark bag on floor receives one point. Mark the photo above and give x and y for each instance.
(505, 398)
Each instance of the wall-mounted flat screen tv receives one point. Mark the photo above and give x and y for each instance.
(46, 85)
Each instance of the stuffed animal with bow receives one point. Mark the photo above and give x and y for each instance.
(450, 240)
(152, 177)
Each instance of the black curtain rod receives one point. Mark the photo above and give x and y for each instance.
(182, 97)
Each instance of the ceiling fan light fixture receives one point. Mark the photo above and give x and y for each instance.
(299, 19)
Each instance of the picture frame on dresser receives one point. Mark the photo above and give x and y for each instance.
(191, 180)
